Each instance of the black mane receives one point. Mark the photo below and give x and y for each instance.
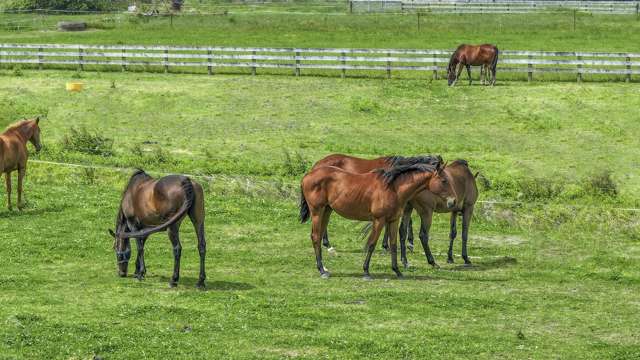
(138, 174)
(460, 162)
(393, 174)
(413, 160)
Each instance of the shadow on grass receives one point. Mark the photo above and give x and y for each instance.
(7, 214)
(411, 277)
(216, 285)
(496, 263)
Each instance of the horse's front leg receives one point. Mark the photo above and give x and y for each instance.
(392, 228)
(21, 173)
(141, 269)
(460, 67)
(466, 219)
(8, 184)
(469, 73)
(177, 252)
(425, 226)
(376, 228)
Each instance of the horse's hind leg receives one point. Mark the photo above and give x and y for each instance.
(392, 228)
(196, 214)
(317, 219)
(177, 252)
(21, 173)
(7, 180)
(452, 237)
(469, 73)
(405, 229)
(425, 226)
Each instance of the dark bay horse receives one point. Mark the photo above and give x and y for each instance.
(426, 203)
(485, 55)
(13, 152)
(378, 196)
(359, 165)
(151, 205)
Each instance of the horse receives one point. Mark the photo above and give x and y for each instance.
(485, 55)
(14, 155)
(426, 203)
(378, 196)
(151, 205)
(359, 165)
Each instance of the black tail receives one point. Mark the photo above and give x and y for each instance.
(494, 63)
(189, 194)
(304, 208)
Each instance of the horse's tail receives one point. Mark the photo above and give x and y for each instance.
(304, 208)
(494, 63)
(189, 200)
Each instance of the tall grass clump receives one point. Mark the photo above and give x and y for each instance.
(85, 141)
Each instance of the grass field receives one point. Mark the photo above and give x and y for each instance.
(554, 277)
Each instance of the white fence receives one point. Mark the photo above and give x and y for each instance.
(496, 6)
(297, 60)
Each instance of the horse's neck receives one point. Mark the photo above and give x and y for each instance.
(23, 133)
(412, 184)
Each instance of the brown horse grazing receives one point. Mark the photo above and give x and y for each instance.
(426, 203)
(359, 166)
(378, 196)
(151, 205)
(485, 55)
(13, 152)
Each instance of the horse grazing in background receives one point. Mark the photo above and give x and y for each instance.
(378, 196)
(14, 155)
(359, 165)
(426, 203)
(151, 205)
(485, 55)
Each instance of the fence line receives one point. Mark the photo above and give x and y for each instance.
(296, 59)
(496, 6)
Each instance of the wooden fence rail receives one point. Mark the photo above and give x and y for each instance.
(496, 6)
(163, 58)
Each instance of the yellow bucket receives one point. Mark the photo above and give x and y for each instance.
(74, 86)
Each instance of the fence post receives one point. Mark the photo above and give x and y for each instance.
(628, 78)
(253, 62)
(435, 70)
(350, 7)
(80, 59)
(124, 59)
(40, 59)
(579, 68)
(210, 60)
(297, 63)
(530, 68)
(388, 66)
(343, 62)
(166, 60)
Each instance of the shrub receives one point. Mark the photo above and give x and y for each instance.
(601, 184)
(294, 165)
(84, 141)
(81, 5)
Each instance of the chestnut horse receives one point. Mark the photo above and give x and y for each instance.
(14, 155)
(359, 165)
(378, 196)
(485, 55)
(151, 205)
(426, 203)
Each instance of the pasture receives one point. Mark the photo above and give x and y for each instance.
(555, 240)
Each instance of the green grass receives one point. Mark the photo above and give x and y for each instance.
(555, 276)
(552, 32)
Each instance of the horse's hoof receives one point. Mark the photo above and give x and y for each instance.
(332, 251)
(435, 265)
(406, 265)
(367, 277)
(399, 275)
(450, 261)
(200, 285)
(468, 264)
(172, 285)
(325, 275)
(139, 277)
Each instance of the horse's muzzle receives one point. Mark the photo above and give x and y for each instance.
(451, 203)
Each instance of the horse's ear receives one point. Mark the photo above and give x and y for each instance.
(112, 233)
(37, 120)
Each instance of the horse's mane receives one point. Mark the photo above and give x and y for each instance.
(454, 55)
(401, 160)
(396, 172)
(16, 125)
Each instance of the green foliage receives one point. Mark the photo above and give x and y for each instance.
(294, 165)
(602, 184)
(81, 5)
(84, 141)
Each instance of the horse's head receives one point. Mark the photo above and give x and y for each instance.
(441, 185)
(451, 75)
(35, 133)
(122, 248)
